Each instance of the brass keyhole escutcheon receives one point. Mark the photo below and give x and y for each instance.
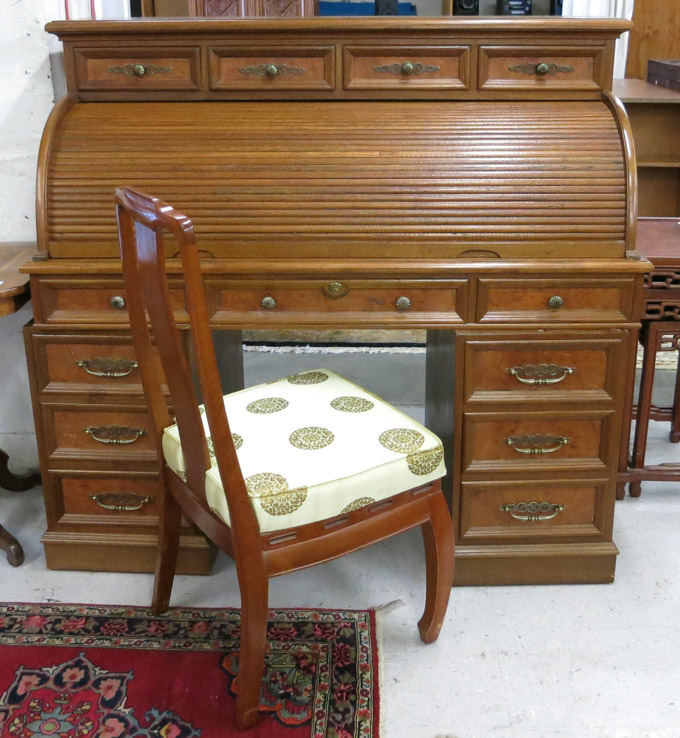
(542, 69)
(407, 69)
(139, 70)
(555, 302)
(336, 288)
(271, 70)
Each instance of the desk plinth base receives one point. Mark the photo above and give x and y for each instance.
(128, 553)
(587, 563)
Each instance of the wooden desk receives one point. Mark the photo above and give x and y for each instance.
(658, 239)
(14, 292)
(469, 177)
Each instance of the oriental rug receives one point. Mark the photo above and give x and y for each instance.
(89, 671)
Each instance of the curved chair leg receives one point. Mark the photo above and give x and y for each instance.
(12, 547)
(168, 547)
(12, 482)
(439, 553)
(254, 604)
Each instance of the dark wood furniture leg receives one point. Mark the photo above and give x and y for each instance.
(674, 435)
(13, 483)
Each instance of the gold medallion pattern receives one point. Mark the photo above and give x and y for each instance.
(238, 440)
(211, 447)
(274, 494)
(401, 440)
(267, 405)
(307, 378)
(350, 404)
(425, 462)
(357, 504)
(312, 438)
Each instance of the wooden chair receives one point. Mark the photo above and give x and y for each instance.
(258, 518)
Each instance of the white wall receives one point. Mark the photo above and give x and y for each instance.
(27, 97)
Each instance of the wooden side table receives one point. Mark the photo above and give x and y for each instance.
(658, 240)
(14, 292)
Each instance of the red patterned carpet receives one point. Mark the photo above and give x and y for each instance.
(85, 671)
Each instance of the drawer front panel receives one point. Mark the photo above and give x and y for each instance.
(126, 500)
(538, 68)
(84, 302)
(352, 302)
(561, 369)
(532, 511)
(554, 300)
(534, 441)
(138, 70)
(404, 68)
(98, 434)
(272, 69)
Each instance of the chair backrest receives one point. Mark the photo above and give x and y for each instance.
(142, 221)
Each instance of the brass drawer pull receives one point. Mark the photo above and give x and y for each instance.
(533, 511)
(555, 302)
(110, 368)
(268, 302)
(540, 69)
(540, 374)
(139, 70)
(114, 433)
(272, 70)
(121, 501)
(406, 69)
(117, 302)
(536, 444)
(402, 303)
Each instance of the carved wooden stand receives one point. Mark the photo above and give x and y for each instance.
(658, 240)
(13, 483)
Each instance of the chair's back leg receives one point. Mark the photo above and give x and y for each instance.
(439, 551)
(168, 547)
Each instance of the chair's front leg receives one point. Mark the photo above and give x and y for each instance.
(439, 553)
(254, 604)
(168, 548)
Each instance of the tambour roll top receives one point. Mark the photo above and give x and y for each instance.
(326, 179)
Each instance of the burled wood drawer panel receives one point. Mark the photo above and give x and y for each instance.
(531, 441)
(125, 69)
(305, 68)
(326, 179)
(555, 300)
(539, 67)
(533, 511)
(406, 68)
(127, 500)
(562, 368)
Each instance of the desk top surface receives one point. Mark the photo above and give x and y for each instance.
(14, 287)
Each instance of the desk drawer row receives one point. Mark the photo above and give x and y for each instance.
(350, 67)
(356, 302)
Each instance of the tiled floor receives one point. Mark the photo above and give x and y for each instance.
(511, 662)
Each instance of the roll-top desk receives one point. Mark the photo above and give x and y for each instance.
(473, 178)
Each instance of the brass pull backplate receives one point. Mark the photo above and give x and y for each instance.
(406, 69)
(121, 501)
(537, 375)
(116, 434)
(541, 69)
(110, 368)
(532, 511)
(536, 444)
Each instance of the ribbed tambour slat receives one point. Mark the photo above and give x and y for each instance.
(323, 179)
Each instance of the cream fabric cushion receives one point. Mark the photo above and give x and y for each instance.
(314, 445)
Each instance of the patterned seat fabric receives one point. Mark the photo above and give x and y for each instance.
(314, 445)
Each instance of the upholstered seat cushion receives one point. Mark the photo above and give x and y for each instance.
(314, 445)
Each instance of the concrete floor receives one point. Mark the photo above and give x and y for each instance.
(595, 661)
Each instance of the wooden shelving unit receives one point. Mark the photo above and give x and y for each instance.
(654, 114)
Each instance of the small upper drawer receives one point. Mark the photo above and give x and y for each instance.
(403, 68)
(289, 68)
(562, 368)
(554, 300)
(90, 301)
(538, 68)
(157, 68)
(351, 302)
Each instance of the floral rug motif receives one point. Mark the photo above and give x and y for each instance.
(82, 671)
